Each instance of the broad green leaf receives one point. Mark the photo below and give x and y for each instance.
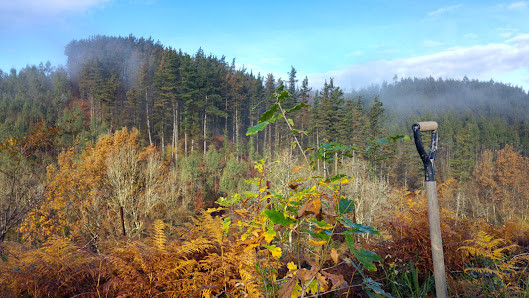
(350, 240)
(278, 218)
(297, 107)
(291, 122)
(284, 94)
(358, 228)
(366, 258)
(345, 206)
(268, 114)
(322, 235)
(256, 128)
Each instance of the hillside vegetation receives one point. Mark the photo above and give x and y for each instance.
(140, 169)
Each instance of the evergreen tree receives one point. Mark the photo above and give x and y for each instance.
(166, 82)
(376, 118)
(466, 141)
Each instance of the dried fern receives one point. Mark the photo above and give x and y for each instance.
(489, 256)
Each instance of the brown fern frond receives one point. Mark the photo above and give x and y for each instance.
(196, 246)
(159, 235)
(59, 268)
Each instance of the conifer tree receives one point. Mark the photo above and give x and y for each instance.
(166, 81)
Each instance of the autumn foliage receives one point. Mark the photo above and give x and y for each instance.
(120, 219)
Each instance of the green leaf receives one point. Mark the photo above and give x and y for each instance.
(376, 288)
(268, 114)
(338, 177)
(322, 235)
(345, 206)
(322, 224)
(226, 225)
(366, 258)
(284, 94)
(291, 122)
(358, 228)
(297, 107)
(350, 240)
(226, 202)
(278, 218)
(256, 128)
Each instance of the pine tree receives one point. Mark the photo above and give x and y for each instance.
(466, 141)
(376, 118)
(304, 114)
(166, 81)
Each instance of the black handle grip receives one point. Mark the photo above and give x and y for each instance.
(427, 158)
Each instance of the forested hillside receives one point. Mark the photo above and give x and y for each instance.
(139, 168)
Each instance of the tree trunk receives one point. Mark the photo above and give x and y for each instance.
(175, 132)
(185, 143)
(237, 131)
(226, 119)
(147, 116)
(318, 145)
(205, 127)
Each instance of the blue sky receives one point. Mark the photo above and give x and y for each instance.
(358, 43)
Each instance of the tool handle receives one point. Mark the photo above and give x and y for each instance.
(427, 125)
(426, 157)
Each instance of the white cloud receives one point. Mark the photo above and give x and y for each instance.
(519, 4)
(443, 10)
(483, 62)
(506, 32)
(29, 11)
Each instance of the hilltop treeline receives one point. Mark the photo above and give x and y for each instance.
(183, 102)
(172, 97)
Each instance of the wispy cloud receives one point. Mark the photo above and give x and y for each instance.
(443, 10)
(29, 11)
(431, 43)
(519, 4)
(354, 54)
(479, 61)
(506, 32)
